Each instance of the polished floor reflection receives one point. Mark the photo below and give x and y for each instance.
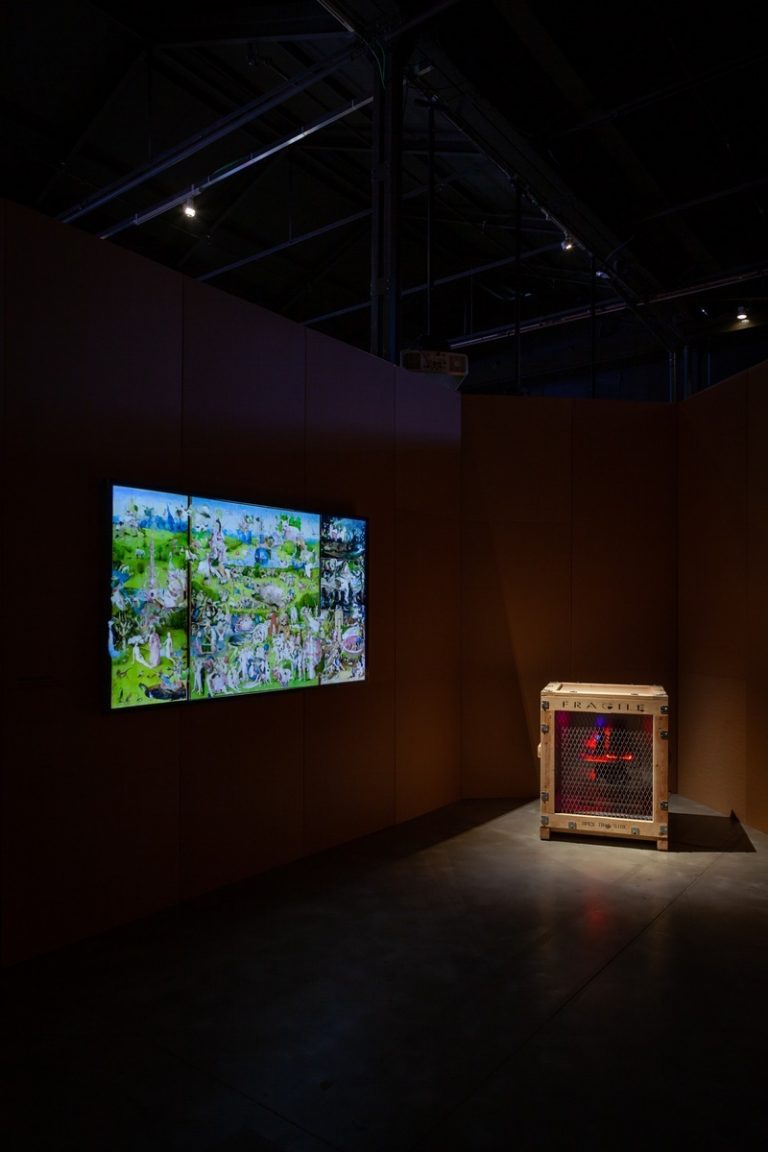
(455, 984)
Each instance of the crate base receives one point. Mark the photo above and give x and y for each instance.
(616, 830)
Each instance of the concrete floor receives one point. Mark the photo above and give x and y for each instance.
(451, 985)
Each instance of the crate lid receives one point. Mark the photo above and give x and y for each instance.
(581, 688)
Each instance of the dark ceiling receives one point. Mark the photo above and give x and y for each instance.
(403, 176)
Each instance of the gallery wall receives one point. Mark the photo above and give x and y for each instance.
(619, 542)
(723, 550)
(115, 368)
(569, 567)
(756, 771)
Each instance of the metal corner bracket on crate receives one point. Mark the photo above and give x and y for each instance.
(604, 760)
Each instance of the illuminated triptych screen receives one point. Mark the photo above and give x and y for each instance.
(220, 598)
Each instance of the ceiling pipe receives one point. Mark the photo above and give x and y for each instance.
(208, 182)
(451, 279)
(569, 317)
(554, 320)
(294, 241)
(430, 206)
(221, 128)
(386, 203)
(290, 243)
(513, 171)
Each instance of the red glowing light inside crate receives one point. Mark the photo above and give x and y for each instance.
(598, 747)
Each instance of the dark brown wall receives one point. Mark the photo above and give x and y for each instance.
(568, 518)
(756, 774)
(628, 543)
(118, 369)
(723, 546)
(93, 386)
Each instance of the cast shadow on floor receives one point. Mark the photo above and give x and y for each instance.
(695, 832)
(688, 832)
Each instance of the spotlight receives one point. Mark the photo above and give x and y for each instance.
(566, 243)
(741, 314)
(189, 209)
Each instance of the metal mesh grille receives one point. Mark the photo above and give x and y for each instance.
(604, 765)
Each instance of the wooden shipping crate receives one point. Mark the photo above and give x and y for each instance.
(604, 760)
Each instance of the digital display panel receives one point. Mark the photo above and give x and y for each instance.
(213, 598)
(343, 592)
